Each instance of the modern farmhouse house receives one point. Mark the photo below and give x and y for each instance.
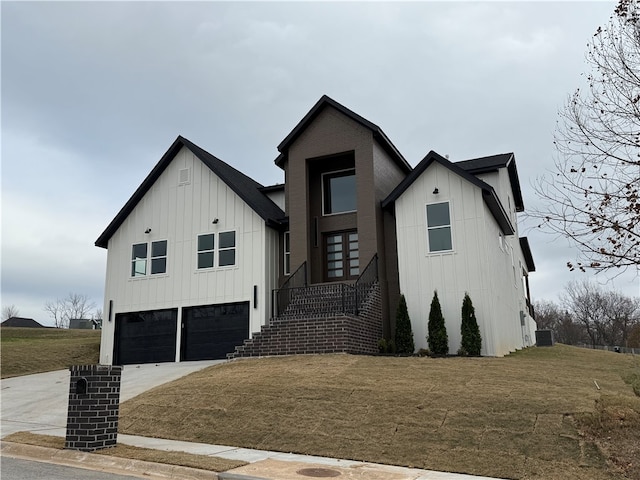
(204, 262)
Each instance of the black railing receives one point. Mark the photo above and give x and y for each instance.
(324, 299)
(282, 296)
(367, 278)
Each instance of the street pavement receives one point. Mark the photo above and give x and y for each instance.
(38, 403)
(19, 469)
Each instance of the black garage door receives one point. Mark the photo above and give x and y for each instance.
(145, 337)
(210, 332)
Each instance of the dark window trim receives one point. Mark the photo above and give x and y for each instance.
(335, 174)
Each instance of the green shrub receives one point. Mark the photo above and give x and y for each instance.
(404, 333)
(471, 339)
(382, 346)
(391, 347)
(437, 338)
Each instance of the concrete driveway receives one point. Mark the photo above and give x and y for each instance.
(38, 403)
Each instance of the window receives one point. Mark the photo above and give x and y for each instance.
(158, 257)
(339, 192)
(206, 246)
(225, 250)
(439, 227)
(287, 254)
(139, 260)
(139, 257)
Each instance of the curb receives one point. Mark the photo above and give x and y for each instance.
(105, 463)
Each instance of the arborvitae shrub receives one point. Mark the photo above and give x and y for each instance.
(437, 339)
(404, 333)
(471, 339)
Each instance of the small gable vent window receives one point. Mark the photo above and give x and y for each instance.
(439, 227)
(184, 176)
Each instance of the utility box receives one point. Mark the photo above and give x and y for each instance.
(94, 406)
(544, 338)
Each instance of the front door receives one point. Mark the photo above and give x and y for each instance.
(342, 258)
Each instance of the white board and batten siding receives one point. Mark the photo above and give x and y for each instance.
(477, 265)
(178, 212)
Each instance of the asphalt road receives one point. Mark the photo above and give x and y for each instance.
(17, 469)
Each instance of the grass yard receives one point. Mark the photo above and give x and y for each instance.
(33, 350)
(534, 414)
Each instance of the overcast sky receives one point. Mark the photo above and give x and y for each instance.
(94, 93)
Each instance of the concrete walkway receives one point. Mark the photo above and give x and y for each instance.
(38, 403)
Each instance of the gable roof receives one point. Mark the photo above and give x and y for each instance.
(478, 166)
(325, 102)
(21, 322)
(245, 187)
(488, 193)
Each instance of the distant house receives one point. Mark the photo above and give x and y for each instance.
(84, 324)
(204, 262)
(21, 322)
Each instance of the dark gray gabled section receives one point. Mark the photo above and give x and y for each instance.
(478, 166)
(246, 188)
(488, 193)
(320, 105)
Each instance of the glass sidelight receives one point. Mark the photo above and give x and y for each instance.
(342, 258)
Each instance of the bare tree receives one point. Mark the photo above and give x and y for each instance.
(9, 311)
(551, 316)
(621, 314)
(593, 196)
(74, 305)
(585, 302)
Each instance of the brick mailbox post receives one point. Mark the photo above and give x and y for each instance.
(94, 404)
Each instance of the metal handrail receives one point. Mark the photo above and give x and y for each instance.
(297, 279)
(363, 284)
(352, 297)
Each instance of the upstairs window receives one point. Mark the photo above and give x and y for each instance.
(158, 257)
(439, 227)
(139, 260)
(227, 249)
(339, 192)
(206, 244)
(217, 252)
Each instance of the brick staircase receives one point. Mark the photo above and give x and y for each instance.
(321, 319)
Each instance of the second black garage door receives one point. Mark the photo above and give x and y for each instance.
(210, 332)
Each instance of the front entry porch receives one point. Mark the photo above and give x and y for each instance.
(322, 318)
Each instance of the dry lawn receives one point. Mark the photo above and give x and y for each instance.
(534, 414)
(34, 350)
(203, 462)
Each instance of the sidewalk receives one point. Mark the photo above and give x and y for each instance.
(262, 465)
